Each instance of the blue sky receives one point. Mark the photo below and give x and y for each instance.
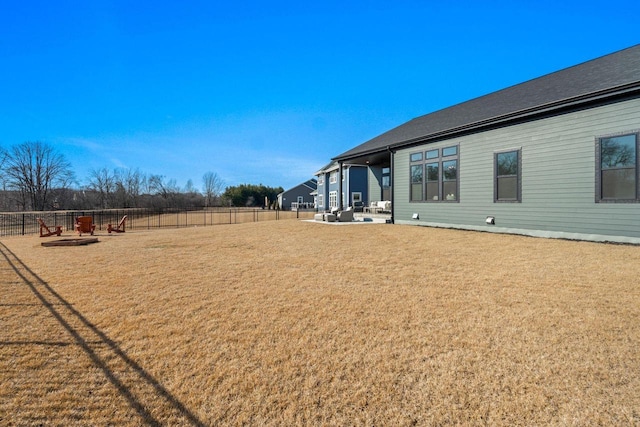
(268, 92)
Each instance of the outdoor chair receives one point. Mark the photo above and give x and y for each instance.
(84, 224)
(330, 217)
(45, 231)
(346, 215)
(119, 228)
(372, 208)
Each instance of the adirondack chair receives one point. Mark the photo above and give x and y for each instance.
(45, 231)
(84, 224)
(119, 228)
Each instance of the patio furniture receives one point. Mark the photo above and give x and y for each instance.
(84, 224)
(372, 208)
(119, 228)
(384, 206)
(45, 231)
(346, 215)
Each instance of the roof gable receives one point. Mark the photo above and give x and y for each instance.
(605, 75)
(333, 165)
(311, 184)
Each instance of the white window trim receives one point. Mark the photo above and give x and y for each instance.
(333, 199)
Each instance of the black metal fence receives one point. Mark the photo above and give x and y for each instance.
(25, 223)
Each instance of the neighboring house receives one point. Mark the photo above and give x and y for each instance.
(342, 185)
(301, 196)
(557, 156)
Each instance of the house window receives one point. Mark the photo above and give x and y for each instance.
(321, 180)
(617, 168)
(416, 183)
(333, 177)
(507, 183)
(417, 173)
(432, 181)
(386, 178)
(321, 200)
(450, 151)
(333, 199)
(450, 179)
(435, 178)
(386, 183)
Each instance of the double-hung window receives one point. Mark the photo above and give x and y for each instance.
(507, 182)
(434, 175)
(617, 168)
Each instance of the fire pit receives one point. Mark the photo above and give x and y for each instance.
(70, 242)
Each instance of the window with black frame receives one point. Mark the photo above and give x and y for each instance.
(507, 176)
(434, 175)
(416, 182)
(617, 168)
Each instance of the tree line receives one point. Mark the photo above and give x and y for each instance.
(35, 177)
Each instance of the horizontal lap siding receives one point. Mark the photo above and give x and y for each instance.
(374, 184)
(558, 176)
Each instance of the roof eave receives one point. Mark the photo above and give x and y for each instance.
(574, 102)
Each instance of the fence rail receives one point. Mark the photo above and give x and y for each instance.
(26, 223)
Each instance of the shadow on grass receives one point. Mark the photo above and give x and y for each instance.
(150, 392)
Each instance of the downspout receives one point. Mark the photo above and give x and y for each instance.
(393, 203)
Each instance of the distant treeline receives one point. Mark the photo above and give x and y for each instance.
(34, 177)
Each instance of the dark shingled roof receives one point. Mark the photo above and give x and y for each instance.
(610, 75)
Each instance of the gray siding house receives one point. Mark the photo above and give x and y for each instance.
(302, 196)
(557, 156)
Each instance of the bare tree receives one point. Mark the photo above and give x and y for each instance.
(4, 199)
(34, 169)
(103, 183)
(213, 186)
(3, 157)
(133, 181)
(167, 190)
(189, 188)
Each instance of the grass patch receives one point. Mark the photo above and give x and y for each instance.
(294, 323)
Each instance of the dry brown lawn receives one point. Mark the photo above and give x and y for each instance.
(297, 323)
